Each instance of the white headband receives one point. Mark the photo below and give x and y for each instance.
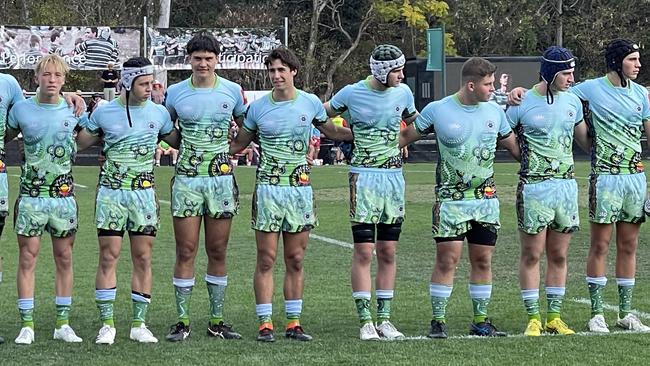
(129, 74)
(381, 69)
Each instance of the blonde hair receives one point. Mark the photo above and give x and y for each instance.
(53, 59)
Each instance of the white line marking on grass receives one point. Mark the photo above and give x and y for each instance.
(582, 300)
(516, 335)
(165, 202)
(331, 241)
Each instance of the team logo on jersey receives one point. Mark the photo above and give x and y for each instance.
(490, 124)
(225, 106)
(62, 186)
(638, 108)
(397, 109)
(152, 125)
(220, 165)
(300, 176)
(570, 113)
(303, 118)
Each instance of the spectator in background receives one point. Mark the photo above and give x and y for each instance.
(95, 102)
(340, 146)
(314, 144)
(110, 79)
(56, 43)
(163, 148)
(34, 53)
(99, 51)
(158, 92)
(404, 150)
(500, 96)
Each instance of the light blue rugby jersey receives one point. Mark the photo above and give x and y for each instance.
(374, 118)
(617, 116)
(467, 139)
(284, 129)
(545, 134)
(50, 147)
(10, 94)
(129, 149)
(204, 116)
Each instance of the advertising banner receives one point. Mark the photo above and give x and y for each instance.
(241, 48)
(83, 48)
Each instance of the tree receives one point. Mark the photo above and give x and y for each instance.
(414, 17)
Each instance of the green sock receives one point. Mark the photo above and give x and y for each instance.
(383, 310)
(261, 319)
(624, 300)
(363, 310)
(480, 295)
(183, 295)
(106, 311)
(139, 313)
(532, 309)
(439, 306)
(554, 306)
(62, 315)
(480, 309)
(596, 296)
(217, 294)
(27, 317)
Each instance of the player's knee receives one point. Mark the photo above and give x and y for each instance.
(627, 248)
(389, 232)
(108, 258)
(362, 254)
(294, 262)
(386, 254)
(265, 261)
(185, 253)
(557, 259)
(63, 258)
(216, 251)
(141, 260)
(599, 248)
(446, 263)
(482, 263)
(27, 259)
(363, 233)
(530, 259)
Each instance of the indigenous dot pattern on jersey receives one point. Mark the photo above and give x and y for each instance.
(384, 59)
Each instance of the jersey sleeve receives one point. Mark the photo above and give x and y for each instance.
(320, 114)
(92, 123)
(512, 115)
(579, 113)
(240, 103)
(581, 90)
(170, 103)
(645, 113)
(167, 126)
(82, 121)
(504, 126)
(250, 122)
(12, 120)
(424, 121)
(339, 101)
(16, 92)
(410, 109)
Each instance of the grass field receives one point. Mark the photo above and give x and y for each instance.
(329, 312)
